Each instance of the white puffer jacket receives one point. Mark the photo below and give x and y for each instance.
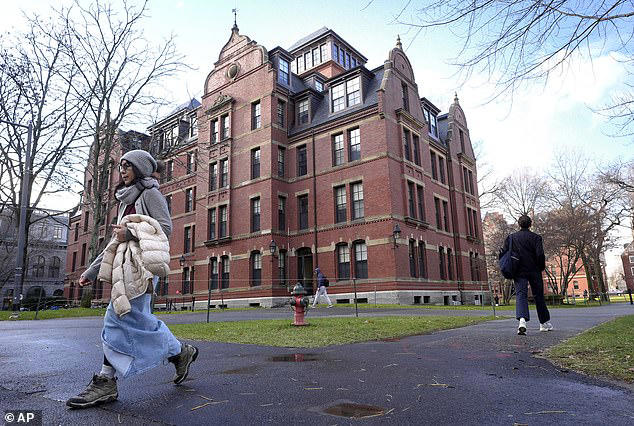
(131, 265)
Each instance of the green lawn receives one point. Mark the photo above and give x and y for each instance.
(59, 313)
(321, 331)
(606, 350)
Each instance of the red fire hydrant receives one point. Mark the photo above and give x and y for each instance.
(299, 303)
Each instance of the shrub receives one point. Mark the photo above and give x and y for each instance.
(86, 298)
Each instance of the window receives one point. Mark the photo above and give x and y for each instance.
(74, 263)
(222, 228)
(255, 214)
(472, 266)
(575, 284)
(281, 266)
(353, 62)
(421, 203)
(406, 149)
(211, 224)
(302, 201)
(323, 52)
(470, 221)
(449, 265)
(58, 232)
(354, 139)
(187, 239)
(302, 112)
(405, 96)
(337, 150)
(302, 168)
(189, 199)
(338, 99)
(225, 126)
(169, 170)
(256, 268)
(300, 64)
(283, 75)
(214, 131)
(193, 126)
(281, 154)
(53, 269)
(412, 258)
(438, 217)
(281, 112)
(316, 60)
(476, 261)
(83, 254)
(213, 176)
(347, 60)
(416, 147)
(433, 125)
(461, 140)
(163, 286)
(422, 259)
(340, 204)
(76, 232)
(224, 263)
(86, 220)
(445, 212)
(434, 170)
(357, 201)
(361, 260)
(224, 173)
(319, 86)
(335, 52)
(38, 268)
(441, 263)
(281, 213)
(341, 56)
(353, 92)
(343, 262)
(308, 60)
(256, 119)
(255, 163)
(168, 200)
(465, 180)
(191, 162)
(441, 168)
(186, 281)
(475, 223)
(631, 258)
(411, 199)
(213, 273)
(471, 186)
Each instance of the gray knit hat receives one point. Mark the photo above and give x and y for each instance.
(142, 160)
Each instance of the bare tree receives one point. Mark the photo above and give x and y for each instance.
(523, 192)
(488, 184)
(495, 230)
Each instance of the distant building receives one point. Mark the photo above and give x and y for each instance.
(627, 257)
(45, 259)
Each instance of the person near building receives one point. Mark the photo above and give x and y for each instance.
(529, 248)
(322, 284)
(134, 341)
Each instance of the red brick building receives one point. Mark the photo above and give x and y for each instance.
(627, 257)
(303, 157)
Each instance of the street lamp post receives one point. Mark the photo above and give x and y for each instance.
(24, 202)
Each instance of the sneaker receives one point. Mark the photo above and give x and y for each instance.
(330, 306)
(182, 361)
(521, 328)
(100, 390)
(547, 326)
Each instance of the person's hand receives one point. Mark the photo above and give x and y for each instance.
(83, 281)
(119, 232)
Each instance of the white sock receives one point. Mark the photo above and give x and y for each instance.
(107, 371)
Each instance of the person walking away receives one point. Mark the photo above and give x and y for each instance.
(322, 284)
(133, 339)
(530, 250)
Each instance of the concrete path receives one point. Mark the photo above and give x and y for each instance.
(482, 374)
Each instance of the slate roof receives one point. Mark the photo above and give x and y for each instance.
(443, 125)
(193, 103)
(322, 113)
(309, 37)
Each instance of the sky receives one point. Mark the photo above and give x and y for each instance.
(513, 133)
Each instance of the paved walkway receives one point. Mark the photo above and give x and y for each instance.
(482, 374)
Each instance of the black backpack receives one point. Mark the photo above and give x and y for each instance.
(509, 262)
(326, 283)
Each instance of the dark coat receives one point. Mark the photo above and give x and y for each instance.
(530, 249)
(320, 279)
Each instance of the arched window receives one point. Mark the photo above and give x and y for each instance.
(53, 269)
(343, 262)
(213, 273)
(360, 259)
(224, 263)
(256, 268)
(38, 268)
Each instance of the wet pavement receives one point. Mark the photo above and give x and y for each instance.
(482, 374)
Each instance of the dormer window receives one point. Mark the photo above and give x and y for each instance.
(283, 72)
(319, 86)
(302, 112)
(345, 94)
(430, 117)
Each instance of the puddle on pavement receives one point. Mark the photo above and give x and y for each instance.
(295, 358)
(391, 339)
(356, 411)
(242, 370)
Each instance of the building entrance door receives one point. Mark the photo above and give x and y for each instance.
(305, 268)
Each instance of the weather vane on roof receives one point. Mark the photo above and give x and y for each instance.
(235, 17)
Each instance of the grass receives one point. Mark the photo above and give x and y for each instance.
(59, 313)
(606, 351)
(321, 331)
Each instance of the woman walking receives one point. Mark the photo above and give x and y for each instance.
(133, 339)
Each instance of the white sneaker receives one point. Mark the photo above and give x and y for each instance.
(521, 328)
(547, 326)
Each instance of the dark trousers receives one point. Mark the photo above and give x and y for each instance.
(521, 295)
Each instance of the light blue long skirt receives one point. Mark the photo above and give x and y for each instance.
(137, 341)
